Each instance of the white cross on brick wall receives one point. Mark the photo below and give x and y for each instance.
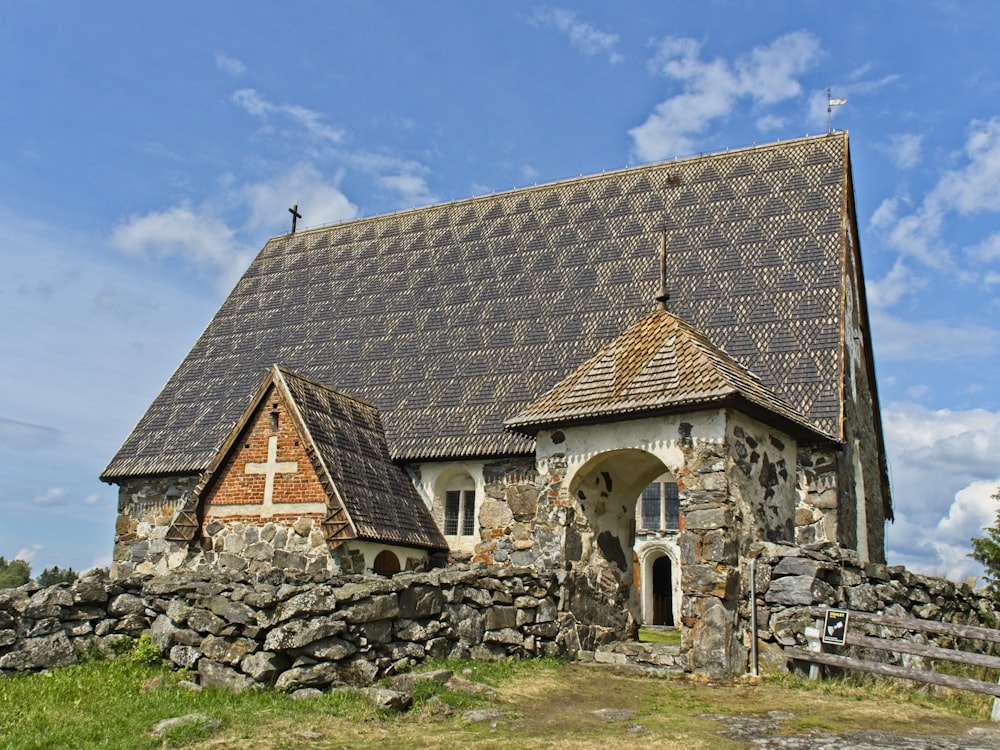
(270, 469)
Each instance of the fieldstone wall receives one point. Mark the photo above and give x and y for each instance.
(791, 581)
(234, 630)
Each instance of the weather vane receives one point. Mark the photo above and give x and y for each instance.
(830, 104)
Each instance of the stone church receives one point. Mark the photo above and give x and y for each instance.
(504, 379)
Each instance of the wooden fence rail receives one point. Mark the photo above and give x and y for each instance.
(816, 655)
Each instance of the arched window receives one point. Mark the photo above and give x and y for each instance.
(660, 505)
(460, 507)
(386, 563)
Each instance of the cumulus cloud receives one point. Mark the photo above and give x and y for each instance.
(713, 88)
(905, 149)
(405, 177)
(229, 65)
(894, 286)
(310, 120)
(944, 470)
(586, 38)
(320, 201)
(196, 237)
(972, 188)
(16, 435)
(52, 496)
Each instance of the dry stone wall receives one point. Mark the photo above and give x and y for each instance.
(792, 581)
(236, 631)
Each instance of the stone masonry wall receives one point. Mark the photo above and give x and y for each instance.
(792, 581)
(236, 630)
(146, 508)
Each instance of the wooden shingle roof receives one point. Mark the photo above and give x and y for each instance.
(659, 365)
(454, 317)
(369, 496)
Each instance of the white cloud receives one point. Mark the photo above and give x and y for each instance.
(894, 286)
(51, 496)
(92, 499)
(905, 149)
(405, 177)
(201, 240)
(906, 339)
(975, 187)
(229, 64)
(917, 235)
(972, 188)
(712, 89)
(944, 469)
(586, 38)
(320, 201)
(986, 251)
(770, 122)
(28, 553)
(306, 118)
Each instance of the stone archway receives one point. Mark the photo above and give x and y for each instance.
(605, 489)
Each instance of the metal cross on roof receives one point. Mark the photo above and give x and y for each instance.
(294, 211)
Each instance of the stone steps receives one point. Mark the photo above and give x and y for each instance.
(655, 657)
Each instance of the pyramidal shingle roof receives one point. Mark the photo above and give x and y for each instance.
(451, 318)
(659, 365)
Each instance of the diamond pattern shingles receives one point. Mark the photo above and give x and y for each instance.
(378, 496)
(361, 305)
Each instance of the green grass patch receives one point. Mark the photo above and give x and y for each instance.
(659, 635)
(546, 703)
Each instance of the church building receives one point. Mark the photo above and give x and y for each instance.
(630, 376)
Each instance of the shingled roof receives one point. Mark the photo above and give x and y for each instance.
(453, 317)
(660, 365)
(368, 495)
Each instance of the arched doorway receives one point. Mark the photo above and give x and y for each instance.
(663, 591)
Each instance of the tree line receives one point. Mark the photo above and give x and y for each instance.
(18, 572)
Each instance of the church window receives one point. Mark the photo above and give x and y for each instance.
(460, 508)
(660, 506)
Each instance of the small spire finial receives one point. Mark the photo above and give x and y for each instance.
(294, 211)
(662, 296)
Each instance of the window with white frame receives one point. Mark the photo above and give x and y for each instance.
(660, 506)
(460, 507)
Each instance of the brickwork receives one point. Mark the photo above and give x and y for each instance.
(236, 486)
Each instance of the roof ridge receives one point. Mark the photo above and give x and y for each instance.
(320, 384)
(567, 181)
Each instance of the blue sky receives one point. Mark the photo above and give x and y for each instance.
(147, 151)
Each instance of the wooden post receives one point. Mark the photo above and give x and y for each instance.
(813, 638)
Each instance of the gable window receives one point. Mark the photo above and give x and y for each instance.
(660, 506)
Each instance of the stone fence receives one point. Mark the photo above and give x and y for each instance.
(274, 628)
(791, 581)
(269, 630)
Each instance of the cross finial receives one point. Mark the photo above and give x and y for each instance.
(294, 211)
(662, 296)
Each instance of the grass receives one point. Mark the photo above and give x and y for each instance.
(659, 635)
(546, 704)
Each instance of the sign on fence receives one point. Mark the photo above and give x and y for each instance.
(835, 627)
